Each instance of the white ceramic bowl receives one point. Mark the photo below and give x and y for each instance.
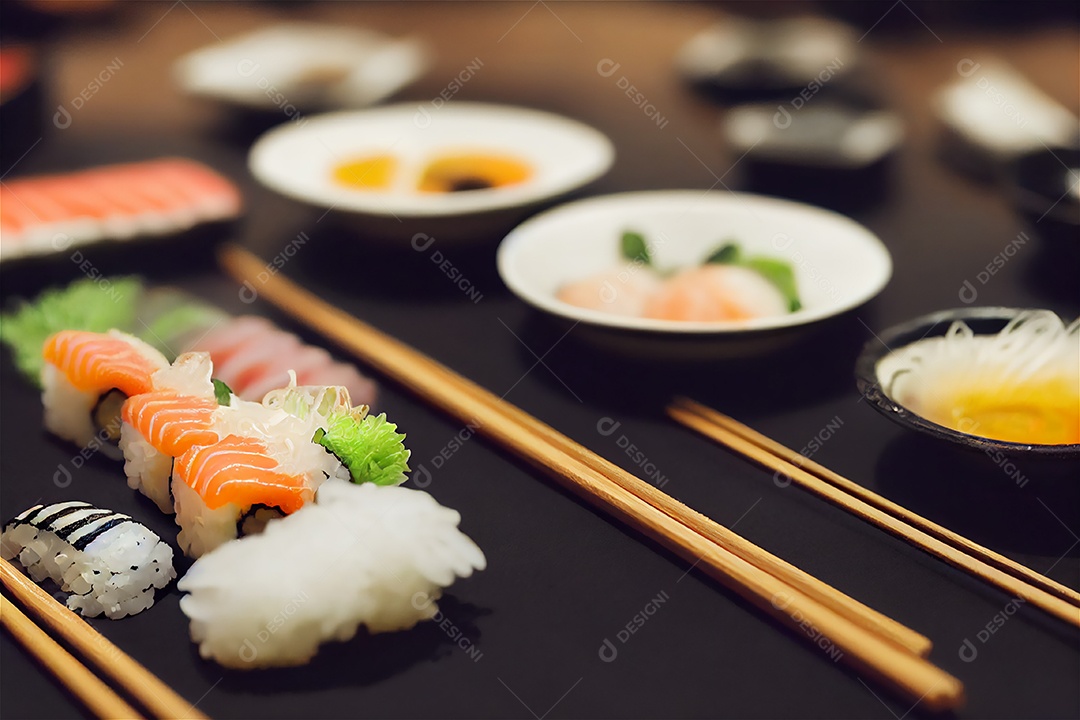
(298, 160)
(838, 264)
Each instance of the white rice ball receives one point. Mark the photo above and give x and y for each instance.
(360, 555)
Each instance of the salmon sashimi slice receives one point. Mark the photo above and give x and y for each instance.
(240, 470)
(97, 361)
(170, 422)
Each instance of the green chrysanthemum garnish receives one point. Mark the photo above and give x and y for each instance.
(370, 447)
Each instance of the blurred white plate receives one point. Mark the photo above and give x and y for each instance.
(302, 66)
(298, 161)
(838, 264)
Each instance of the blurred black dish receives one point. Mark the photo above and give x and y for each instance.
(741, 59)
(824, 135)
(1045, 187)
(831, 153)
(991, 114)
(1036, 459)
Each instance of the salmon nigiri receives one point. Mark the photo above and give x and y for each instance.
(86, 379)
(230, 488)
(159, 426)
(172, 423)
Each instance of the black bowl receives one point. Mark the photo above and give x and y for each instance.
(983, 321)
(1043, 186)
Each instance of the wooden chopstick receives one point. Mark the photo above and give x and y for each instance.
(804, 582)
(882, 503)
(878, 657)
(410, 367)
(694, 416)
(141, 684)
(82, 683)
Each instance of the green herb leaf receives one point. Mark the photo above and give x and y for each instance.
(222, 392)
(727, 254)
(634, 247)
(779, 273)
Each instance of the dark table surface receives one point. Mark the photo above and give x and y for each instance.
(563, 578)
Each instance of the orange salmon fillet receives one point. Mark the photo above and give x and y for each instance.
(240, 470)
(94, 361)
(170, 422)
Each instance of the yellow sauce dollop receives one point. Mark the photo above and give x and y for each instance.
(369, 173)
(1045, 411)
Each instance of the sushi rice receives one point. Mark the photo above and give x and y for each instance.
(360, 555)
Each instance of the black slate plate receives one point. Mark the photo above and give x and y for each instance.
(562, 579)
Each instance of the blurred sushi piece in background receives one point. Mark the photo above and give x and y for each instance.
(253, 356)
(159, 218)
(48, 214)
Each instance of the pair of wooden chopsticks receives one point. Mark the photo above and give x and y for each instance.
(879, 647)
(1059, 600)
(140, 683)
